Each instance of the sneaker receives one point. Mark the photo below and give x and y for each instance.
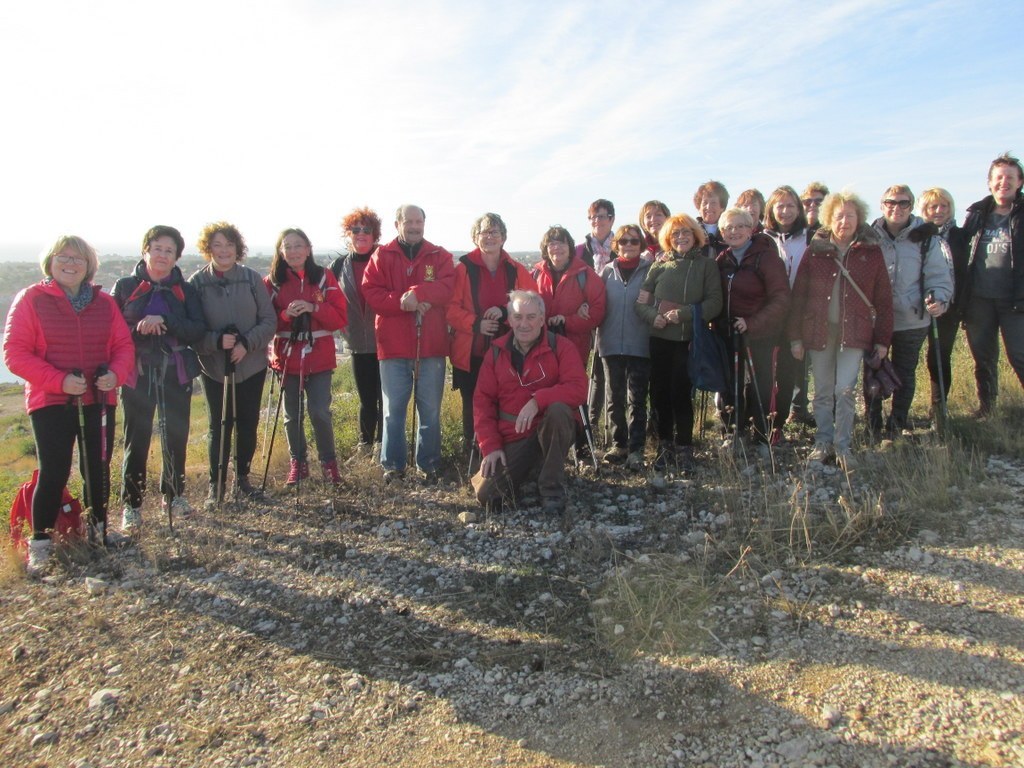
(616, 455)
(635, 461)
(846, 461)
(39, 551)
(430, 477)
(393, 476)
(297, 470)
(179, 507)
(583, 455)
(820, 453)
(131, 520)
(331, 473)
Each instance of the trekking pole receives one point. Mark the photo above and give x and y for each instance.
(103, 370)
(416, 387)
(736, 389)
(588, 430)
(269, 451)
(266, 422)
(168, 458)
(757, 391)
(229, 375)
(306, 346)
(87, 473)
(943, 408)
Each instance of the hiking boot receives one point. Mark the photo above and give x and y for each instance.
(179, 507)
(212, 498)
(246, 488)
(131, 520)
(553, 505)
(684, 458)
(583, 455)
(393, 476)
(297, 470)
(331, 473)
(616, 455)
(666, 457)
(820, 453)
(635, 460)
(39, 551)
(430, 477)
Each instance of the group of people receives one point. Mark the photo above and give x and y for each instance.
(778, 282)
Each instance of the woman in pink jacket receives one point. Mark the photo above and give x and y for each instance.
(310, 307)
(70, 343)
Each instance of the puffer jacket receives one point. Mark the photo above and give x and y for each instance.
(463, 312)
(184, 318)
(623, 331)
(568, 296)
(237, 299)
(319, 287)
(911, 280)
(678, 282)
(791, 247)
(549, 376)
(45, 340)
(359, 335)
(756, 288)
(974, 224)
(431, 276)
(812, 292)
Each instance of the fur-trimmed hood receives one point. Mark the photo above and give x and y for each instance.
(822, 245)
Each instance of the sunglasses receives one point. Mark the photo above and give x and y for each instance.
(809, 201)
(361, 230)
(630, 241)
(902, 204)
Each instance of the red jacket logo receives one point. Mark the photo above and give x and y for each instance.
(429, 273)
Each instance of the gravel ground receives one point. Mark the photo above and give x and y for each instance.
(372, 626)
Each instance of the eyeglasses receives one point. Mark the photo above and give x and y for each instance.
(599, 217)
(76, 260)
(901, 204)
(630, 241)
(736, 227)
(680, 234)
(809, 201)
(490, 233)
(361, 230)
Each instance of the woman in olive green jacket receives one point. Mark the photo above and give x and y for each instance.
(685, 276)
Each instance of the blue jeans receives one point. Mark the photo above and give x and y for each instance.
(396, 386)
(835, 379)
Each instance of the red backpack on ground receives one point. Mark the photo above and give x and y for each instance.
(70, 524)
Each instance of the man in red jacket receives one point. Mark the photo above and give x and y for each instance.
(408, 283)
(524, 408)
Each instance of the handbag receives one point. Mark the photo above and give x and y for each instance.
(708, 362)
(880, 378)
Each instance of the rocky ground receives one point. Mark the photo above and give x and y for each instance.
(684, 626)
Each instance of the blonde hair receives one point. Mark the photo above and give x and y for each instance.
(79, 246)
(837, 200)
(933, 195)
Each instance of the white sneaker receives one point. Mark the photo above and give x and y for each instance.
(180, 508)
(820, 453)
(39, 551)
(131, 520)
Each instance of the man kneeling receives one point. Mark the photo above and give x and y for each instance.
(525, 407)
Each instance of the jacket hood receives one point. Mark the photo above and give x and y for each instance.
(916, 230)
(822, 245)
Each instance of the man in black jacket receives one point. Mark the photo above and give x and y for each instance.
(994, 294)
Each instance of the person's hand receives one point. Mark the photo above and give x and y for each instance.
(796, 349)
(526, 415)
(106, 382)
(300, 307)
(488, 326)
(674, 317)
(490, 463)
(409, 302)
(934, 308)
(584, 311)
(644, 297)
(237, 353)
(881, 351)
(227, 341)
(74, 384)
(660, 321)
(151, 325)
(740, 324)
(556, 320)
(493, 313)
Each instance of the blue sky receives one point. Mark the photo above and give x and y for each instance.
(121, 115)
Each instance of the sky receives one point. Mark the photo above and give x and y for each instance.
(272, 114)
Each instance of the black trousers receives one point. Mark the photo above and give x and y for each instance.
(56, 430)
(249, 394)
(366, 371)
(670, 390)
(140, 406)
